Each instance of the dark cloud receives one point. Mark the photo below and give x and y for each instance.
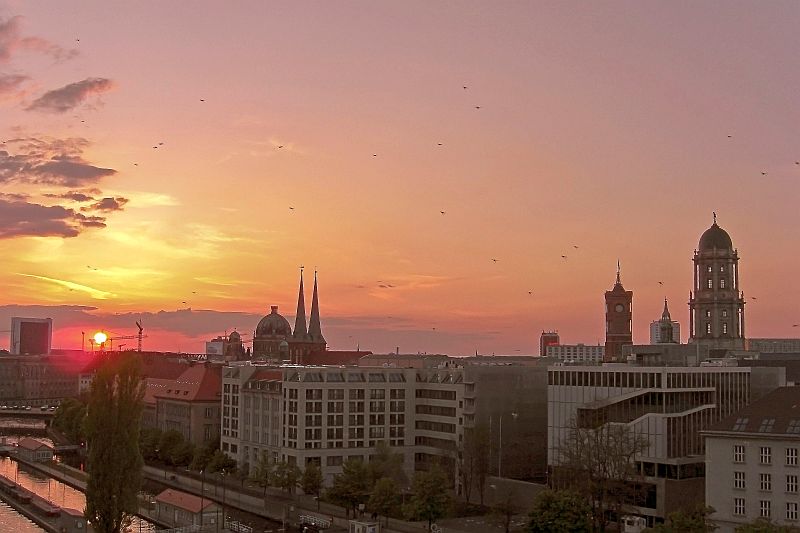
(19, 218)
(49, 162)
(70, 96)
(75, 196)
(11, 40)
(14, 196)
(107, 204)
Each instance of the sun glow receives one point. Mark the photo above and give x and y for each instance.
(100, 337)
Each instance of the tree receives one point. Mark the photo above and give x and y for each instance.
(386, 463)
(429, 497)
(600, 464)
(114, 461)
(559, 512)
(263, 471)
(149, 439)
(169, 445)
(692, 520)
(182, 454)
(311, 482)
(473, 461)
(384, 498)
(220, 462)
(203, 454)
(285, 476)
(70, 419)
(765, 525)
(351, 487)
(504, 509)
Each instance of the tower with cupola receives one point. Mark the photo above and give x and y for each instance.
(619, 316)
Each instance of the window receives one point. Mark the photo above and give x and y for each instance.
(724, 328)
(741, 424)
(710, 268)
(738, 480)
(724, 313)
(708, 328)
(738, 453)
(791, 510)
(765, 509)
(334, 460)
(722, 268)
(791, 483)
(722, 283)
(738, 506)
(766, 482)
(708, 313)
(794, 427)
(710, 283)
(766, 425)
(791, 456)
(766, 455)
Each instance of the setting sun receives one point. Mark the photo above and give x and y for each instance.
(100, 337)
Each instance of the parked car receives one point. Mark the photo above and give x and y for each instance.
(43, 408)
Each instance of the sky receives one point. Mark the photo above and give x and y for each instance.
(177, 162)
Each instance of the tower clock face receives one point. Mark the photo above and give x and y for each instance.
(619, 308)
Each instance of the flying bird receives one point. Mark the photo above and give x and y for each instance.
(753, 298)
(730, 136)
(575, 246)
(291, 208)
(795, 325)
(796, 162)
(564, 257)
(660, 282)
(495, 260)
(530, 292)
(155, 147)
(136, 164)
(439, 144)
(280, 146)
(763, 173)
(442, 212)
(477, 107)
(374, 155)
(161, 144)
(464, 87)
(202, 100)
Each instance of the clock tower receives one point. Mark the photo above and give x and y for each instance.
(619, 315)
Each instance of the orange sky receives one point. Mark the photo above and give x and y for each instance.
(616, 127)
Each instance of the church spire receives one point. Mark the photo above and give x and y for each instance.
(618, 280)
(665, 314)
(314, 328)
(300, 331)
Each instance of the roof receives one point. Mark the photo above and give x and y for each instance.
(32, 444)
(201, 382)
(334, 357)
(715, 237)
(272, 375)
(183, 500)
(777, 413)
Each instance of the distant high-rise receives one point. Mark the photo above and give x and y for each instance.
(548, 338)
(665, 330)
(31, 336)
(619, 315)
(716, 307)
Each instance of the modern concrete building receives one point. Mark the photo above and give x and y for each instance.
(548, 338)
(31, 336)
(669, 406)
(752, 466)
(580, 353)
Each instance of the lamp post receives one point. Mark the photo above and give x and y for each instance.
(514, 415)
(222, 475)
(202, 495)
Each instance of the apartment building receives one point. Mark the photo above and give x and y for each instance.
(669, 406)
(191, 403)
(577, 352)
(752, 467)
(327, 414)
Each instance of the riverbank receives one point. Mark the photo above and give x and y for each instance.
(47, 516)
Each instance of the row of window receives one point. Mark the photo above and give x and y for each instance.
(765, 508)
(765, 482)
(765, 455)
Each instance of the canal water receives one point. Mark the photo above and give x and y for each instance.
(54, 491)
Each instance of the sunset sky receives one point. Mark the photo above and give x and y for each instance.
(333, 134)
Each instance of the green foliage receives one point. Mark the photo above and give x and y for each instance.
(69, 419)
(765, 525)
(285, 476)
(429, 498)
(384, 498)
(220, 462)
(559, 512)
(112, 428)
(263, 471)
(149, 439)
(473, 461)
(504, 509)
(386, 463)
(311, 482)
(692, 520)
(169, 446)
(351, 487)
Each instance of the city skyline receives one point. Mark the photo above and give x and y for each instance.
(342, 138)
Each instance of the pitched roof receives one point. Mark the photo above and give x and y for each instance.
(32, 444)
(183, 500)
(334, 357)
(777, 413)
(201, 382)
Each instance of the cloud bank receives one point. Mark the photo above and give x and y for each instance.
(71, 96)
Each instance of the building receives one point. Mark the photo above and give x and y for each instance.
(577, 352)
(327, 415)
(180, 509)
(752, 468)
(31, 336)
(274, 339)
(191, 403)
(229, 348)
(669, 406)
(397, 360)
(716, 307)
(34, 450)
(619, 316)
(548, 338)
(38, 379)
(774, 346)
(665, 330)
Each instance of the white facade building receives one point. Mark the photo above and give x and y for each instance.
(752, 465)
(655, 331)
(580, 353)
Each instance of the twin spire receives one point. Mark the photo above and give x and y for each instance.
(314, 331)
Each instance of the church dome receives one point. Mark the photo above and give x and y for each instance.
(715, 237)
(234, 337)
(273, 324)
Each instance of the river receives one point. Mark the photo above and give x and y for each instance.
(50, 489)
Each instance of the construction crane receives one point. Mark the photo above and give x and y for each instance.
(102, 340)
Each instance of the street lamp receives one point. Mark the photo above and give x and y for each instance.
(514, 415)
(202, 494)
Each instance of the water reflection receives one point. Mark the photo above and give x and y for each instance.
(52, 490)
